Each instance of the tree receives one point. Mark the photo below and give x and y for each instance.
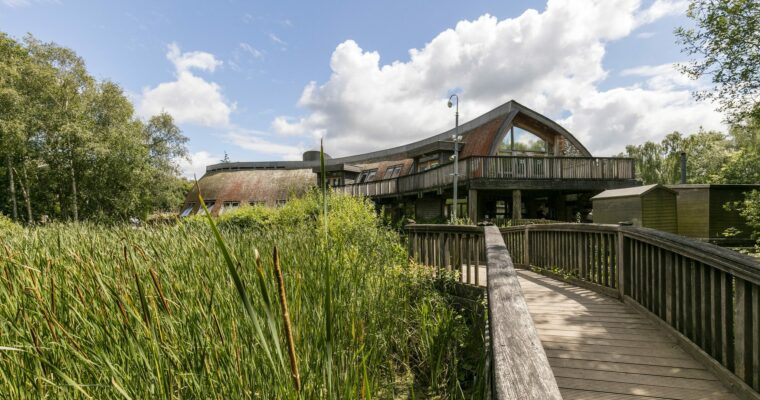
(72, 147)
(166, 145)
(726, 44)
(706, 153)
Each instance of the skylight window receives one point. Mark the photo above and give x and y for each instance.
(367, 175)
(392, 171)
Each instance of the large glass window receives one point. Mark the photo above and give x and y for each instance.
(519, 141)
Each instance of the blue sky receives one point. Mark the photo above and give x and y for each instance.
(265, 80)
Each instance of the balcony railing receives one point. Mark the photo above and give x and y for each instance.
(500, 168)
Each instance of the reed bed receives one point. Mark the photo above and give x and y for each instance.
(96, 312)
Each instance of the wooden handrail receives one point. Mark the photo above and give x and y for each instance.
(521, 369)
(706, 296)
(499, 167)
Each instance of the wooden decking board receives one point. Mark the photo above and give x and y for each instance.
(634, 351)
(624, 358)
(608, 342)
(691, 373)
(600, 335)
(574, 394)
(643, 390)
(601, 349)
(652, 380)
(541, 319)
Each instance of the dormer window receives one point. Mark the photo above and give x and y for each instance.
(367, 175)
(392, 171)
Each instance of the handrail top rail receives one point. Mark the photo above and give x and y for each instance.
(564, 226)
(521, 368)
(449, 163)
(444, 228)
(738, 264)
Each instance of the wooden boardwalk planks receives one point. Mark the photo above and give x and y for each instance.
(599, 348)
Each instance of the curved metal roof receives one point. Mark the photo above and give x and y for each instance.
(507, 112)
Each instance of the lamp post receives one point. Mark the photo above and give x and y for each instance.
(455, 206)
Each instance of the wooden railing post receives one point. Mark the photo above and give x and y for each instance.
(526, 248)
(622, 259)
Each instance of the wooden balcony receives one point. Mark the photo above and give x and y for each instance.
(492, 170)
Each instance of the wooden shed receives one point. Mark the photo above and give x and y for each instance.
(651, 206)
(702, 213)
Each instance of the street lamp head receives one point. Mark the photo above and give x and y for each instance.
(450, 103)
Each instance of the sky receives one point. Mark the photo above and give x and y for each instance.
(267, 80)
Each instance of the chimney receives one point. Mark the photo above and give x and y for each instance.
(683, 167)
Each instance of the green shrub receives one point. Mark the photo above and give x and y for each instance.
(8, 227)
(248, 217)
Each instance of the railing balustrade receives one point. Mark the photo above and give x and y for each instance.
(493, 167)
(706, 296)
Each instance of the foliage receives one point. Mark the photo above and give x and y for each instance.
(8, 227)
(88, 311)
(749, 209)
(706, 153)
(71, 146)
(726, 45)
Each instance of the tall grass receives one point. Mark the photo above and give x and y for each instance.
(115, 312)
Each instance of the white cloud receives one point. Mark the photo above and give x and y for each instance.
(255, 53)
(662, 8)
(277, 40)
(196, 165)
(189, 98)
(645, 35)
(255, 141)
(550, 61)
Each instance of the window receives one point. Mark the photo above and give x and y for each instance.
(187, 210)
(525, 142)
(392, 171)
(335, 181)
(367, 175)
(209, 204)
(229, 205)
(281, 202)
(256, 203)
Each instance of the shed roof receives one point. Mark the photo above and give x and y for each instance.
(629, 192)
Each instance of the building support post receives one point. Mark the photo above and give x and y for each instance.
(516, 205)
(472, 205)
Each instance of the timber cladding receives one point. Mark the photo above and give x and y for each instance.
(621, 209)
(652, 206)
(658, 211)
(693, 212)
(702, 210)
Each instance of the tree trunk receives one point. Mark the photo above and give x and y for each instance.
(12, 187)
(74, 191)
(24, 183)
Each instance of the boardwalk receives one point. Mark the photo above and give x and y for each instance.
(601, 349)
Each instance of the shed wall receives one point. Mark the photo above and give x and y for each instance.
(658, 210)
(693, 212)
(618, 209)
